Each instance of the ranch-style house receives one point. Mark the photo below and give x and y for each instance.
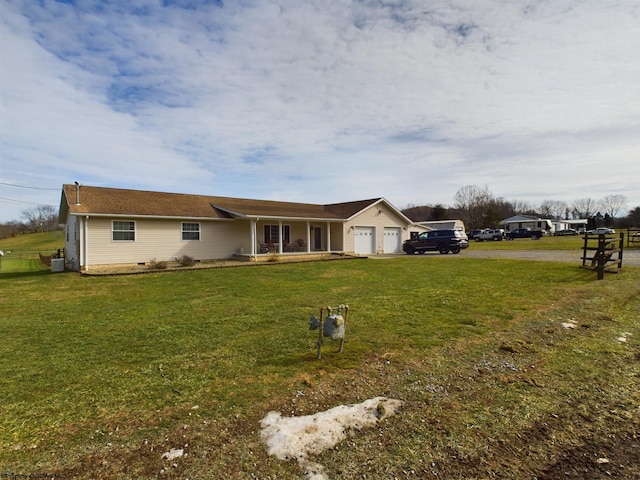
(106, 226)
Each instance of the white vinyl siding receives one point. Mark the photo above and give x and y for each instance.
(380, 219)
(159, 240)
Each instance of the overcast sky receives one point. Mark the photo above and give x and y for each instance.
(320, 101)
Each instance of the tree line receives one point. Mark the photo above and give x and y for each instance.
(478, 208)
(42, 218)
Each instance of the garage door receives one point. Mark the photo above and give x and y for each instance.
(392, 240)
(365, 238)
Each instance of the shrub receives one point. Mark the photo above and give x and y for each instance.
(186, 261)
(157, 265)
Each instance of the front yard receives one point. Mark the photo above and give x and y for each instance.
(507, 369)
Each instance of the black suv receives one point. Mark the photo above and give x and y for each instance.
(443, 241)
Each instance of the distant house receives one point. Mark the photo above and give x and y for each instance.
(527, 221)
(536, 223)
(577, 224)
(107, 226)
(443, 225)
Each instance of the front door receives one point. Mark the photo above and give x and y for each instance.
(317, 238)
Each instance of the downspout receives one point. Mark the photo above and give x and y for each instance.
(86, 243)
(80, 240)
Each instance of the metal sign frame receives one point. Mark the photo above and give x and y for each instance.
(334, 330)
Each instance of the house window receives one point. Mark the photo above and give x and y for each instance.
(190, 231)
(272, 233)
(123, 231)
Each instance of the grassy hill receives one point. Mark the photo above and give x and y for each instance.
(21, 252)
(45, 241)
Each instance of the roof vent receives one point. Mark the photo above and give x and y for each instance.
(77, 193)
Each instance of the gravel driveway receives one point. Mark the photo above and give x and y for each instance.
(629, 257)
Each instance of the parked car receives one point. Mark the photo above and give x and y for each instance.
(495, 234)
(471, 234)
(601, 230)
(443, 241)
(525, 233)
(567, 231)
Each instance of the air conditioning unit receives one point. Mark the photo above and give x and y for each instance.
(57, 264)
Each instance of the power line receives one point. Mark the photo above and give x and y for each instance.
(26, 186)
(11, 200)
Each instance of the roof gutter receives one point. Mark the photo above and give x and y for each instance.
(155, 217)
(174, 217)
(296, 219)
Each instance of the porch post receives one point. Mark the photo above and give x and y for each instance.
(308, 237)
(281, 242)
(329, 237)
(252, 228)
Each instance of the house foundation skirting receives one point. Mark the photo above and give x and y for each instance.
(283, 257)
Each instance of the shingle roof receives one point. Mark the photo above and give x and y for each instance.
(122, 202)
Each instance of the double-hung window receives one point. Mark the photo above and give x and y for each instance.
(123, 231)
(190, 231)
(272, 233)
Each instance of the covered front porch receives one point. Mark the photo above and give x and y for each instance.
(282, 236)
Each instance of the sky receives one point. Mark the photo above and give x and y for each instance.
(320, 101)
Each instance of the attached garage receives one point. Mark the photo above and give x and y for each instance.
(392, 240)
(365, 238)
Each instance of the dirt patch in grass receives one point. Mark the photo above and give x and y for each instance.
(456, 423)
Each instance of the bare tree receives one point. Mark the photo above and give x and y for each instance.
(612, 204)
(556, 209)
(521, 206)
(473, 203)
(12, 228)
(41, 218)
(585, 208)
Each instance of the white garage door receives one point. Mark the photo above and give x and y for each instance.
(392, 240)
(365, 238)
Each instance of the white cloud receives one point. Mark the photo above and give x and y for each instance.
(322, 101)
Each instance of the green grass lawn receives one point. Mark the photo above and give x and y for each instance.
(43, 242)
(575, 242)
(101, 375)
(545, 243)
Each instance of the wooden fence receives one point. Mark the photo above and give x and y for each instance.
(46, 259)
(602, 251)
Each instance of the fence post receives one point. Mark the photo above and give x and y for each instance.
(601, 257)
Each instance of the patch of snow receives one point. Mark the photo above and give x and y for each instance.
(297, 437)
(173, 454)
(623, 337)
